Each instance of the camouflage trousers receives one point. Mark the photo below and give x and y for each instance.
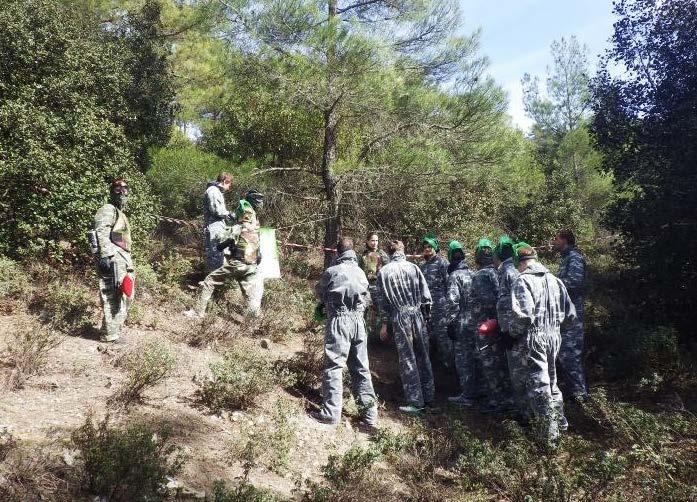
(494, 371)
(464, 347)
(414, 363)
(373, 319)
(214, 258)
(250, 282)
(571, 354)
(438, 331)
(115, 305)
(534, 364)
(345, 344)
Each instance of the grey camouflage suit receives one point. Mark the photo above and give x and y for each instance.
(507, 277)
(402, 289)
(540, 306)
(572, 272)
(458, 311)
(114, 238)
(343, 289)
(494, 379)
(435, 271)
(214, 215)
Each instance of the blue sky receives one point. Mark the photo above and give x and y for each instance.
(516, 35)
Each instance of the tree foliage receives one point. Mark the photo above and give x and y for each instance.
(644, 99)
(77, 105)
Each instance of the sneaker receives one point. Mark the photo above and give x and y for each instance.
(431, 409)
(461, 400)
(322, 418)
(192, 314)
(410, 409)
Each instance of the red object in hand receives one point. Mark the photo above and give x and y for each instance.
(127, 286)
(488, 327)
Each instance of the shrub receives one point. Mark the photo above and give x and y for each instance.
(270, 442)
(14, 282)
(147, 280)
(174, 268)
(237, 380)
(209, 331)
(242, 491)
(306, 365)
(66, 306)
(31, 474)
(146, 365)
(350, 467)
(27, 352)
(126, 463)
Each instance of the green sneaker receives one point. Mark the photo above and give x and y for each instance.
(410, 409)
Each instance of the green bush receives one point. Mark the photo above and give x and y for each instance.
(146, 365)
(242, 491)
(179, 175)
(126, 463)
(237, 380)
(146, 280)
(67, 306)
(65, 84)
(27, 352)
(174, 268)
(14, 281)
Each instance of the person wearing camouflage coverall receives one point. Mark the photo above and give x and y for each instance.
(540, 307)
(435, 270)
(490, 351)
(113, 232)
(507, 277)
(241, 265)
(343, 289)
(214, 215)
(402, 293)
(458, 309)
(572, 272)
(372, 259)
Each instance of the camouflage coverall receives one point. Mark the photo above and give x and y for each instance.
(343, 289)
(436, 272)
(494, 378)
(114, 238)
(540, 306)
(507, 277)
(371, 262)
(572, 272)
(402, 289)
(214, 215)
(458, 311)
(240, 266)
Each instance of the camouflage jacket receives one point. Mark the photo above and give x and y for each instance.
(343, 286)
(458, 305)
(435, 271)
(507, 276)
(371, 262)
(401, 286)
(572, 272)
(485, 294)
(540, 303)
(245, 235)
(214, 209)
(113, 231)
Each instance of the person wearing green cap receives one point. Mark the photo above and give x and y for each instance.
(540, 308)
(507, 276)
(490, 351)
(458, 309)
(435, 269)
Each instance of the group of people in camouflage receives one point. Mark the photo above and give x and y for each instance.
(502, 328)
(231, 250)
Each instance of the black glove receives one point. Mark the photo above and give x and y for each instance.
(426, 311)
(104, 265)
(507, 341)
(258, 257)
(225, 244)
(452, 331)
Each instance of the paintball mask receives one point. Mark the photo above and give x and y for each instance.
(119, 193)
(455, 249)
(483, 253)
(504, 249)
(255, 198)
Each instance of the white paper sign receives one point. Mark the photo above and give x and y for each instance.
(269, 268)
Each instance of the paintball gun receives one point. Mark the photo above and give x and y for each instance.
(92, 241)
(426, 311)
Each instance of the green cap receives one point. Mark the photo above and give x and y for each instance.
(504, 241)
(432, 241)
(454, 246)
(516, 251)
